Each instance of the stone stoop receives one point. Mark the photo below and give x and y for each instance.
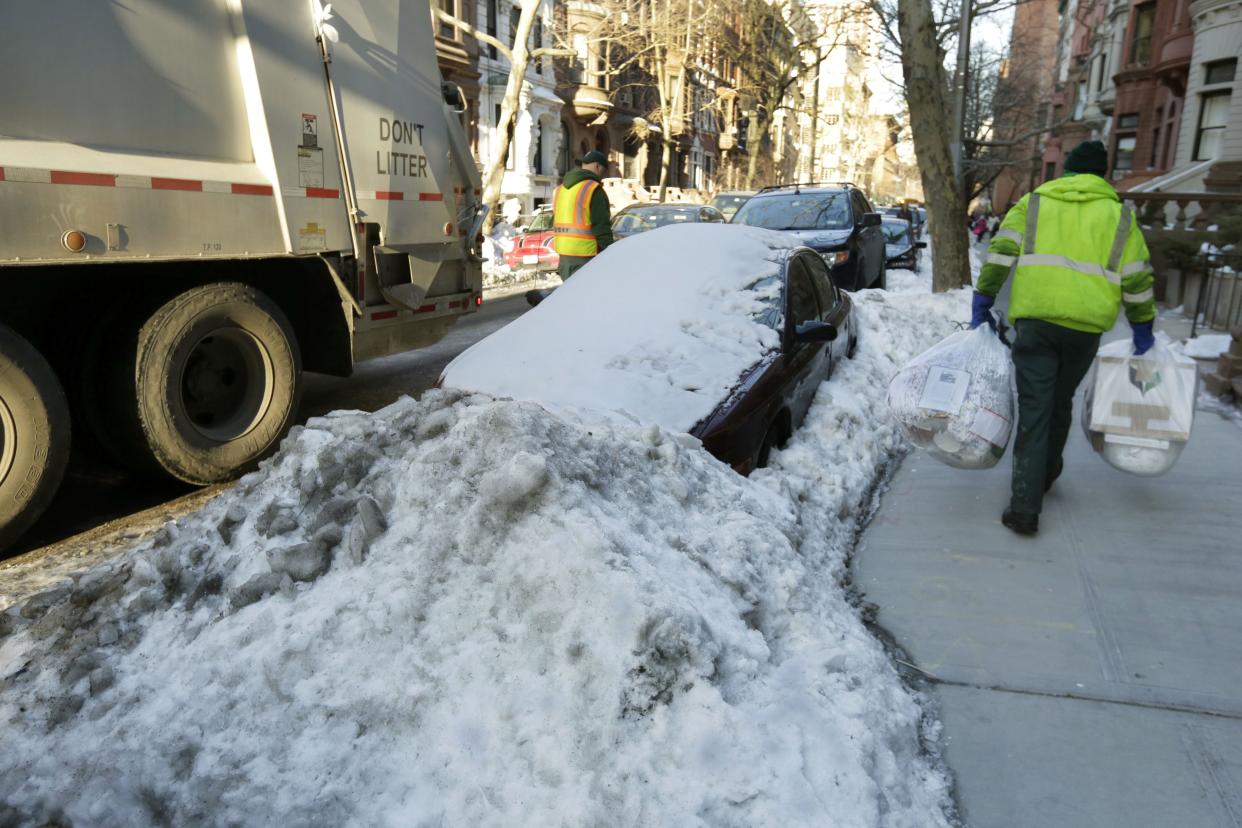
(1226, 380)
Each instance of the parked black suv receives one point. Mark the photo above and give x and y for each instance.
(834, 220)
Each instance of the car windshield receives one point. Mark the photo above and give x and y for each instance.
(767, 293)
(637, 221)
(796, 211)
(895, 233)
(541, 223)
(729, 204)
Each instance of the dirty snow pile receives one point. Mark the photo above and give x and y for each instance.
(460, 611)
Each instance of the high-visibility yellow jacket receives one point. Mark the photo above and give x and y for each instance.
(581, 224)
(1076, 255)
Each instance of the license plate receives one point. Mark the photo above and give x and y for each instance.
(531, 258)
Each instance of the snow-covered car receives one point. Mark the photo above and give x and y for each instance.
(900, 247)
(532, 248)
(720, 331)
(639, 218)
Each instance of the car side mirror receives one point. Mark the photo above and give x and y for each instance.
(870, 219)
(815, 332)
(920, 245)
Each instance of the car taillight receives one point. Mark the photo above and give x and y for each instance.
(478, 300)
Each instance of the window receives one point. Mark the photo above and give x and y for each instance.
(802, 305)
(537, 43)
(1050, 170)
(493, 25)
(538, 148)
(825, 290)
(446, 30)
(1221, 71)
(1100, 72)
(1123, 157)
(1213, 117)
(564, 160)
(515, 14)
(1080, 100)
(1129, 121)
(496, 121)
(1155, 138)
(1140, 35)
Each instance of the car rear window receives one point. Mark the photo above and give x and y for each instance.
(796, 211)
(542, 222)
(896, 233)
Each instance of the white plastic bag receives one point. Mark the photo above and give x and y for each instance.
(1138, 410)
(956, 399)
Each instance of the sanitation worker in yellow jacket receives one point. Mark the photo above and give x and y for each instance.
(581, 220)
(1077, 256)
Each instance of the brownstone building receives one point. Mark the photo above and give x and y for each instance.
(1151, 90)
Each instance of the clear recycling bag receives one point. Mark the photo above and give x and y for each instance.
(956, 399)
(1138, 410)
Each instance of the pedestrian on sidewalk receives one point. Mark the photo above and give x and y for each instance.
(1077, 255)
(581, 220)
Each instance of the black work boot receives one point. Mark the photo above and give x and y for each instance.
(1020, 522)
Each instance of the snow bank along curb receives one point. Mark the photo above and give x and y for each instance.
(461, 611)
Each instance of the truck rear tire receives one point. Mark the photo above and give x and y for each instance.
(34, 435)
(217, 376)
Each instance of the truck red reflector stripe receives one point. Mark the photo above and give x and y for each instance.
(88, 179)
(389, 195)
(252, 189)
(457, 304)
(320, 192)
(378, 315)
(176, 184)
(431, 196)
(425, 309)
(1, 173)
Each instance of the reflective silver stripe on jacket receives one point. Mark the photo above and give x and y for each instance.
(1001, 259)
(1013, 235)
(1053, 260)
(1119, 240)
(1136, 267)
(1032, 221)
(1137, 298)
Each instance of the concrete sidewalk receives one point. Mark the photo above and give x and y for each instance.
(1091, 675)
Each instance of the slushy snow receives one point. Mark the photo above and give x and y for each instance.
(466, 611)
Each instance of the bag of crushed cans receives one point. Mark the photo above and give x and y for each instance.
(955, 400)
(1138, 410)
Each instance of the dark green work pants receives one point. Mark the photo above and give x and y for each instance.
(1049, 361)
(571, 265)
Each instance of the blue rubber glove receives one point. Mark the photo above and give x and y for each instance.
(1143, 337)
(981, 310)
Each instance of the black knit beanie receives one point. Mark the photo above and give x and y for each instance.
(1088, 157)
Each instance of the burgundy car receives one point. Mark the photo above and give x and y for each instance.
(724, 332)
(533, 248)
(817, 331)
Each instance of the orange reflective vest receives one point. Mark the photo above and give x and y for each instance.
(571, 220)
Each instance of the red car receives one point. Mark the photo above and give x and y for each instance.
(533, 248)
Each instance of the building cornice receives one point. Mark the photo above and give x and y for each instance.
(1204, 11)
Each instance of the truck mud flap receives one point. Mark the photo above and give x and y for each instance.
(405, 276)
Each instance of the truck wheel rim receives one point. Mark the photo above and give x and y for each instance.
(8, 440)
(226, 384)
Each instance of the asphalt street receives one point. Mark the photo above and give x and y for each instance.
(96, 494)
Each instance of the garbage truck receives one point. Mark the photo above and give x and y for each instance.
(199, 201)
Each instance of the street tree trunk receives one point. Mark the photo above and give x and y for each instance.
(922, 65)
(519, 57)
(493, 176)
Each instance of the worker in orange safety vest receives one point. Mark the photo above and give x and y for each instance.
(581, 220)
